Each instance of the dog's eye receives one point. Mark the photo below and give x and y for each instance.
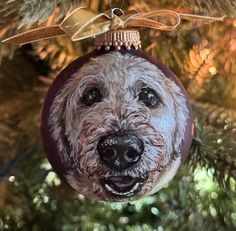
(92, 96)
(149, 97)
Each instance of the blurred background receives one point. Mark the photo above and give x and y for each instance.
(203, 56)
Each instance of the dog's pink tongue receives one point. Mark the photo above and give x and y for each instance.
(122, 182)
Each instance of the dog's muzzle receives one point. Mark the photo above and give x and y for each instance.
(120, 151)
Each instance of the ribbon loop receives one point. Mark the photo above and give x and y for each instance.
(145, 20)
(85, 23)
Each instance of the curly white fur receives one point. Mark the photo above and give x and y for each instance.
(77, 128)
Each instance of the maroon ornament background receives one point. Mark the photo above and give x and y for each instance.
(50, 145)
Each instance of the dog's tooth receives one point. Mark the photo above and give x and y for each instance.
(129, 193)
(136, 186)
(109, 188)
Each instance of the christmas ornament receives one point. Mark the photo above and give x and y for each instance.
(116, 124)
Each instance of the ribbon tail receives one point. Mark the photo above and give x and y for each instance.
(150, 20)
(36, 35)
(149, 23)
(194, 17)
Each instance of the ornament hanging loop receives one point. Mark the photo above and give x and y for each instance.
(116, 21)
(115, 12)
(113, 6)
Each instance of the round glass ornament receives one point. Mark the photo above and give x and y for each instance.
(116, 125)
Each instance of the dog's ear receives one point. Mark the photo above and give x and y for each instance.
(56, 123)
(181, 113)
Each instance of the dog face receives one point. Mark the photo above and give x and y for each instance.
(118, 124)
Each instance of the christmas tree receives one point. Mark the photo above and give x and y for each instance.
(201, 53)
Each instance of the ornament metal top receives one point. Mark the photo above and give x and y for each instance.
(116, 124)
(117, 39)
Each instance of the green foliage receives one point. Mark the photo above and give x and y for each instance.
(215, 150)
(202, 195)
(225, 7)
(25, 12)
(191, 202)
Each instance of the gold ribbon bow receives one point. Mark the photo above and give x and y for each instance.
(84, 23)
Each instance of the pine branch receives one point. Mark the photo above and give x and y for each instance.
(197, 66)
(60, 52)
(19, 106)
(207, 7)
(17, 15)
(208, 69)
(212, 149)
(224, 7)
(28, 12)
(15, 163)
(215, 116)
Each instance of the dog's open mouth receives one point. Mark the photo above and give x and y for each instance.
(122, 186)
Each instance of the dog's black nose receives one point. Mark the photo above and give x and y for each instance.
(120, 152)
